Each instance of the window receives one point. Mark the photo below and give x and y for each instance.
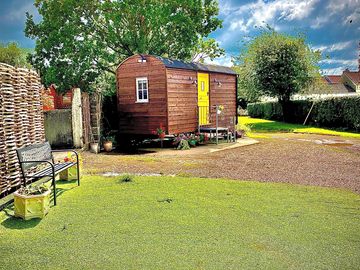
(142, 92)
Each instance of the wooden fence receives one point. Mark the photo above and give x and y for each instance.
(21, 120)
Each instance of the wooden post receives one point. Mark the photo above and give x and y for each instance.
(312, 106)
(217, 125)
(76, 120)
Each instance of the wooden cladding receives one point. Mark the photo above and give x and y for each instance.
(223, 92)
(173, 97)
(145, 117)
(182, 100)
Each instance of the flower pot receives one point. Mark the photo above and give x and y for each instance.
(94, 147)
(108, 146)
(31, 206)
(161, 135)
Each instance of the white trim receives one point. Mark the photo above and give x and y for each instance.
(143, 100)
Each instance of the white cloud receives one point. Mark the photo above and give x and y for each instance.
(320, 21)
(340, 46)
(221, 61)
(239, 25)
(333, 71)
(349, 63)
(336, 6)
(263, 12)
(354, 17)
(321, 48)
(342, 11)
(226, 8)
(18, 14)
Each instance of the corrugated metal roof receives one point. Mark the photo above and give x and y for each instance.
(195, 66)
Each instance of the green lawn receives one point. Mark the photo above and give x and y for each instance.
(187, 223)
(262, 125)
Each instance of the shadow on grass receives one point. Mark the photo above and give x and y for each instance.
(67, 182)
(16, 223)
(60, 191)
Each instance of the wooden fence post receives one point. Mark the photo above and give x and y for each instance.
(77, 119)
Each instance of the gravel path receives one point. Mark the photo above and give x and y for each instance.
(282, 157)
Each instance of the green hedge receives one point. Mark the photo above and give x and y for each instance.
(341, 113)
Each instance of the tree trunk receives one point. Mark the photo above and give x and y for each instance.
(285, 106)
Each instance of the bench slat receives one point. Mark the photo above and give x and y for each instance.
(58, 168)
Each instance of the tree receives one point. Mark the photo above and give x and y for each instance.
(13, 55)
(78, 40)
(277, 65)
(207, 48)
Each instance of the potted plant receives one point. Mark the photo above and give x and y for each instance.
(32, 202)
(160, 132)
(108, 143)
(71, 173)
(219, 109)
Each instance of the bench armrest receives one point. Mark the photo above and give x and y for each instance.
(64, 150)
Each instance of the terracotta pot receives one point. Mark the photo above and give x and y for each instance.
(108, 146)
(162, 135)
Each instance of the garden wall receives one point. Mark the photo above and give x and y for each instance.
(21, 120)
(342, 113)
(58, 128)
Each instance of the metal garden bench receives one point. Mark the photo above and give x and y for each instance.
(33, 155)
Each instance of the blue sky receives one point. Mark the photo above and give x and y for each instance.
(332, 26)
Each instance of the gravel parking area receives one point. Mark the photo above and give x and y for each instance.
(279, 157)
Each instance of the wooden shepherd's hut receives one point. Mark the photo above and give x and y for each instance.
(181, 97)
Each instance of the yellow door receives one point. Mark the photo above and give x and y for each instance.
(203, 98)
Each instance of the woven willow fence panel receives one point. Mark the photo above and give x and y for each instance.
(21, 120)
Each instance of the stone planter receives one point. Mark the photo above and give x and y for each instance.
(94, 147)
(31, 206)
(70, 174)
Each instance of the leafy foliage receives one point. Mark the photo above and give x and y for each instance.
(78, 40)
(33, 190)
(183, 145)
(13, 55)
(276, 65)
(343, 113)
(208, 48)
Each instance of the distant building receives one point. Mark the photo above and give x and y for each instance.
(346, 84)
(351, 79)
(338, 84)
